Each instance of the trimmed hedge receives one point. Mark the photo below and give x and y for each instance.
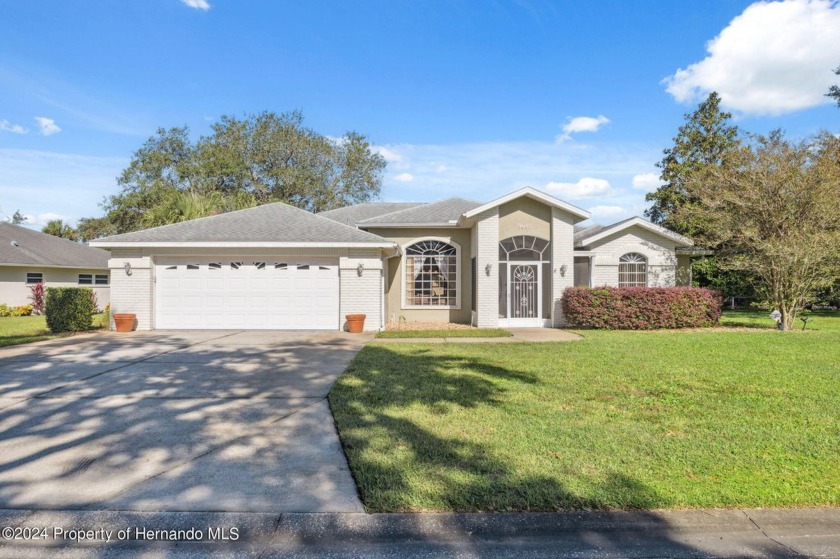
(641, 308)
(69, 309)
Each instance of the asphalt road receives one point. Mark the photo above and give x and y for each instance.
(673, 534)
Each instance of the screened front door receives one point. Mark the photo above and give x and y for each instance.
(524, 269)
(524, 296)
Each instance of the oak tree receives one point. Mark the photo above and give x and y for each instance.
(771, 210)
(243, 162)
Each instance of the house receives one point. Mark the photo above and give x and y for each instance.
(501, 263)
(28, 257)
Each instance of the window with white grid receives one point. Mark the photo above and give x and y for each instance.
(431, 274)
(632, 270)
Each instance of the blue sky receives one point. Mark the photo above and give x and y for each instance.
(462, 98)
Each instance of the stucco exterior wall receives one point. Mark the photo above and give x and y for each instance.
(15, 292)
(684, 270)
(659, 251)
(395, 308)
(524, 216)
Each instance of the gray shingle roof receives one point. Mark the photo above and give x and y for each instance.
(276, 222)
(444, 212)
(39, 249)
(351, 215)
(586, 231)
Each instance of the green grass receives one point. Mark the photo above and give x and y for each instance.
(460, 333)
(748, 417)
(817, 320)
(15, 330)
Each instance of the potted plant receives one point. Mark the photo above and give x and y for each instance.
(124, 321)
(355, 323)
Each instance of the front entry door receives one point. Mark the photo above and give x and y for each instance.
(524, 295)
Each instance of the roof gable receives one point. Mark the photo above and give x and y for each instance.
(266, 225)
(595, 233)
(534, 194)
(27, 247)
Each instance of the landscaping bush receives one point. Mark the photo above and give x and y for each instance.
(641, 308)
(23, 310)
(68, 309)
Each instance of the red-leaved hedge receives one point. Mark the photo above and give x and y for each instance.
(641, 308)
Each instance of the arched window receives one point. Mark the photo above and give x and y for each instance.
(632, 270)
(431, 274)
(523, 247)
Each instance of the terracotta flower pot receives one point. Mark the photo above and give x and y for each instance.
(355, 323)
(124, 321)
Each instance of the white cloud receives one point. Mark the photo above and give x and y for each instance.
(197, 4)
(581, 124)
(774, 58)
(441, 168)
(608, 213)
(587, 187)
(47, 126)
(6, 126)
(40, 220)
(390, 155)
(487, 170)
(404, 177)
(647, 182)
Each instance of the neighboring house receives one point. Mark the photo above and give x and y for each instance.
(28, 257)
(503, 263)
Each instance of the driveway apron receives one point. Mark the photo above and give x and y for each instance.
(175, 421)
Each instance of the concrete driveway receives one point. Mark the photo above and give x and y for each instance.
(175, 421)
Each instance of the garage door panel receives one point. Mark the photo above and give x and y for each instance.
(170, 283)
(236, 283)
(251, 294)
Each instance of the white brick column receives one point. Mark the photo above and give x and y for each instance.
(362, 294)
(562, 254)
(133, 293)
(487, 286)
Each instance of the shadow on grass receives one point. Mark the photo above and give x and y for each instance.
(19, 330)
(400, 465)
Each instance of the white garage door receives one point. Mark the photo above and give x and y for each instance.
(247, 294)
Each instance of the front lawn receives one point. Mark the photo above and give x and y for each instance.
(817, 320)
(455, 333)
(16, 330)
(746, 417)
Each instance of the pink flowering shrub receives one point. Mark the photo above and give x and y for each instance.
(641, 308)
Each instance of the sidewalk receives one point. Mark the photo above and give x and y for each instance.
(520, 335)
(673, 534)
